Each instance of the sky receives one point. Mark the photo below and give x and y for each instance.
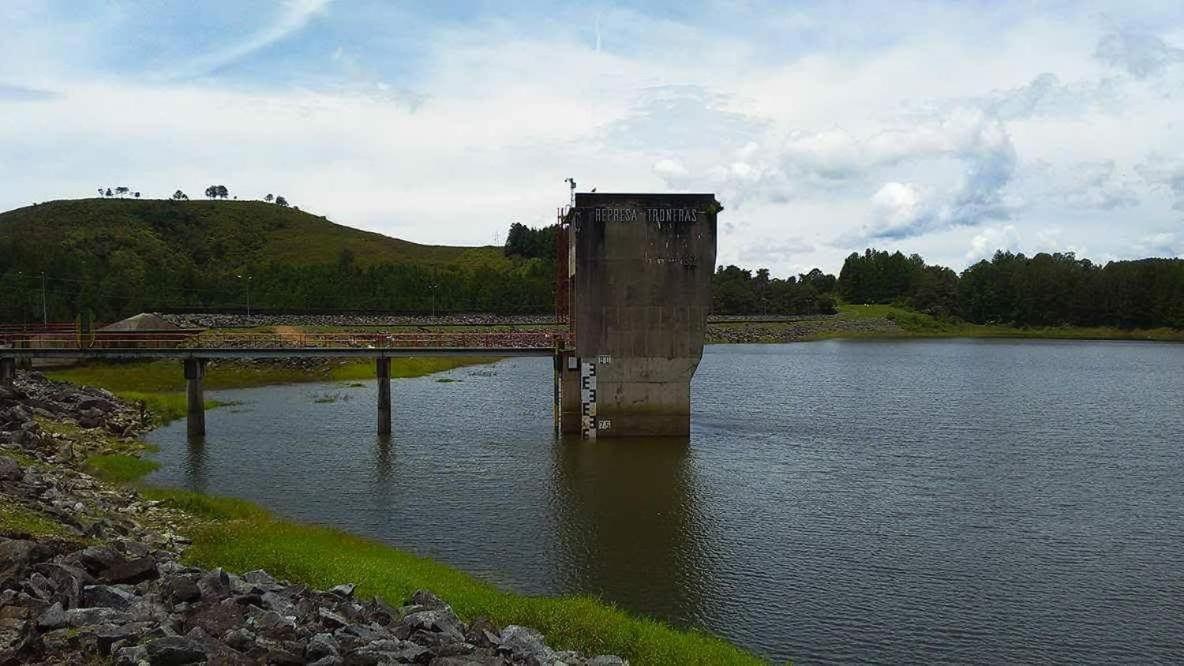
(947, 129)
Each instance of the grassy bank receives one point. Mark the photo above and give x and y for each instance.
(160, 385)
(915, 324)
(241, 537)
(888, 321)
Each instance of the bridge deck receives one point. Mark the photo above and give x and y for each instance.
(268, 352)
(192, 344)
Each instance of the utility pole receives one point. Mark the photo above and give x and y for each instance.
(248, 279)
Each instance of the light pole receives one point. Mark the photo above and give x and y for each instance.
(248, 279)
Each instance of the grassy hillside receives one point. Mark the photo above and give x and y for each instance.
(219, 235)
(115, 257)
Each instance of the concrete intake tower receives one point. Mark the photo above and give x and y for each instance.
(636, 297)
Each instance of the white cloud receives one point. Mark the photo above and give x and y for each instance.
(1160, 244)
(992, 239)
(670, 169)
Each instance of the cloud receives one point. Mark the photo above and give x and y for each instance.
(682, 118)
(1097, 186)
(991, 239)
(1160, 244)
(293, 17)
(1047, 95)
(775, 251)
(902, 209)
(1165, 173)
(1140, 54)
(670, 169)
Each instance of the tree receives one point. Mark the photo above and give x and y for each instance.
(100, 191)
(121, 190)
(137, 195)
(223, 192)
(280, 201)
(108, 191)
(212, 192)
(180, 196)
(269, 198)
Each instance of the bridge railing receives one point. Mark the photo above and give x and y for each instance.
(296, 340)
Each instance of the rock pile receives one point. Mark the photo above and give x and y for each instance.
(227, 320)
(138, 605)
(111, 587)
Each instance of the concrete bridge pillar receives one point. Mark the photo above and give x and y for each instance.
(195, 370)
(383, 367)
(7, 370)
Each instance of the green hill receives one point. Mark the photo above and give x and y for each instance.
(217, 234)
(118, 256)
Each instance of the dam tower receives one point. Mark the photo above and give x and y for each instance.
(635, 290)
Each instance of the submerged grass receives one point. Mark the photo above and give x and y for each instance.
(120, 468)
(160, 385)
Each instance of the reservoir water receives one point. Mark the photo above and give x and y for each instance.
(881, 501)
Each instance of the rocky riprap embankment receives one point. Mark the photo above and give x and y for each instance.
(110, 587)
(225, 320)
(795, 330)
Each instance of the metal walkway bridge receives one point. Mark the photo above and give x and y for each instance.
(194, 348)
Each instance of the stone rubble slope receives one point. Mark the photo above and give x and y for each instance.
(113, 588)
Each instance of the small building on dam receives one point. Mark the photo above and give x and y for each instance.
(636, 297)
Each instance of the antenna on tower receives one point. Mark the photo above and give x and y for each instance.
(571, 184)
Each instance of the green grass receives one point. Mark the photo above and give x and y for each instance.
(165, 377)
(161, 384)
(22, 458)
(232, 234)
(916, 324)
(322, 557)
(120, 468)
(204, 506)
(18, 520)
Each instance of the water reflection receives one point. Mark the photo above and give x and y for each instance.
(630, 525)
(195, 463)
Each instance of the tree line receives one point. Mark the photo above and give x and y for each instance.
(734, 290)
(115, 277)
(1044, 289)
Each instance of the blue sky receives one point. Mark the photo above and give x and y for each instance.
(948, 129)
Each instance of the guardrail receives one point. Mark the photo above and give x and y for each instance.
(294, 341)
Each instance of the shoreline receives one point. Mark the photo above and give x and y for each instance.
(211, 533)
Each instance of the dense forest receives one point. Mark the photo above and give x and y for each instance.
(1042, 290)
(115, 257)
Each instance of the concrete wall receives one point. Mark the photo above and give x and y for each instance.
(641, 291)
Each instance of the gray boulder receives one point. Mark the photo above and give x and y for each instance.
(175, 651)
